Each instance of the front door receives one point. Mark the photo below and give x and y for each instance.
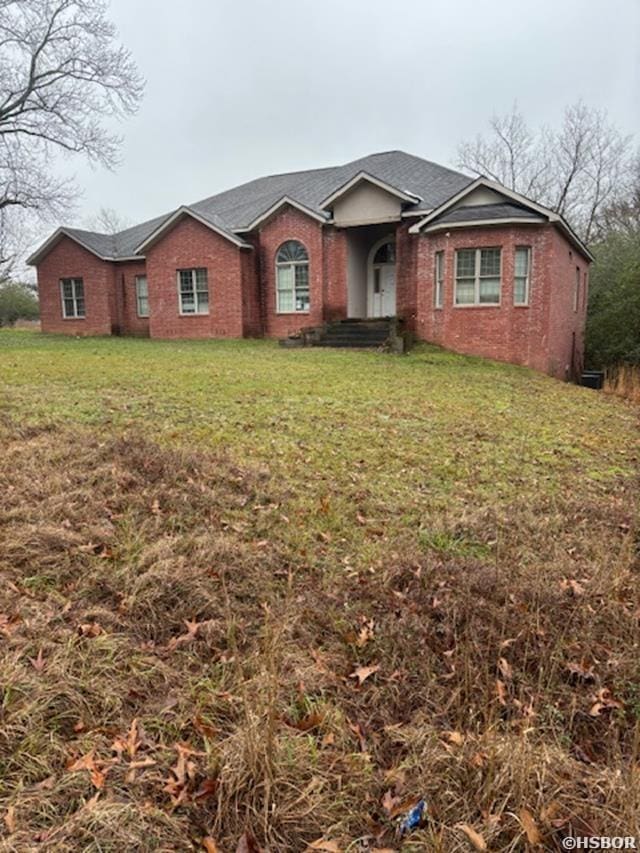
(382, 281)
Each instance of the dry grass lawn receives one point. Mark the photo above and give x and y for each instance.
(257, 599)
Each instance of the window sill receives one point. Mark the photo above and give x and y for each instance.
(193, 314)
(521, 305)
(480, 305)
(75, 318)
(292, 313)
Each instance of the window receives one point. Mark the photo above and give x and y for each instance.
(477, 277)
(522, 273)
(439, 280)
(142, 296)
(386, 254)
(576, 295)
(72, 293)
(292, 278)
(194, 291)
(585, 291)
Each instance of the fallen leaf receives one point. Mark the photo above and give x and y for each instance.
(328, 740)
(357, 729)
(183, 639)
(248, 844)
(89, 629)
(210, 845)
(501, 690)
(38, 663)
(85, 762)
(479, 759)
(581, 671)
(207, 788)
(8, 624)
(322, 844)
(530, 827)
(389, 803)
(310, 721)
(505, 669)
(604, 702)
(205, 729)
(363, 672)
(10, 819)
(573, 587)
(456, 738)
(474, 837)
(365, 634)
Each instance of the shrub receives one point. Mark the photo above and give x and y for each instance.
(17, 302)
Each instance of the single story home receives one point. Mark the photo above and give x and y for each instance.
(463, 262)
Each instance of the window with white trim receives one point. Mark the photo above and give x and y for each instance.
(478, 276)
(72, 295)
(439, 280)
(292, 278)
(193, 289)
(522, 275)
(142, 296)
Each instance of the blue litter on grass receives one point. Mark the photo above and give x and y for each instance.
(413, 818)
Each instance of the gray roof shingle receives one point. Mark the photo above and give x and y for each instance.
(235, 209)
(480, 212)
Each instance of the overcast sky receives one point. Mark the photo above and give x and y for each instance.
(236, 90)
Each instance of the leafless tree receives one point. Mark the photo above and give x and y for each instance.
(577, 170)
(62, 76)
(108, 221)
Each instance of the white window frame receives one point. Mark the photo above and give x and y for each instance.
(197, 310)
(477, 278)
(438, 276)
(76, 315)
(527, 279)
(138, 279)
(286, 264)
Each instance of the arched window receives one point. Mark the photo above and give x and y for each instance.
(386, 254)
(292, 278)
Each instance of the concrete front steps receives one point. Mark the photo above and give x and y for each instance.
(356, 333)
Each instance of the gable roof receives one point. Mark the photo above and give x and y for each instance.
(427, 190)
(500, 211)
(533, 207)
(423, 184)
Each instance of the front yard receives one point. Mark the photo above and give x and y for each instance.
(252, 592)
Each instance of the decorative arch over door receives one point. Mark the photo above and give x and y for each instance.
(381, 278)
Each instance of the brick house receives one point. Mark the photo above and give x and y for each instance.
(464, 263)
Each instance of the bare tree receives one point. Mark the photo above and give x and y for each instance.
(107, 221)
(62, 75)
(577, 170)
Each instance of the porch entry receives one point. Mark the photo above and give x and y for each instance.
(381, 279)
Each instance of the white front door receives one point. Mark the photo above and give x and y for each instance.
(382, 280)
(383, 291)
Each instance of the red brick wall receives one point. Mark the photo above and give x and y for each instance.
(69, 260)
(406, 278)
(187, 245)
(532, 335)
(125, 273)
(335, 255)
(290, 224)
(566, 357)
